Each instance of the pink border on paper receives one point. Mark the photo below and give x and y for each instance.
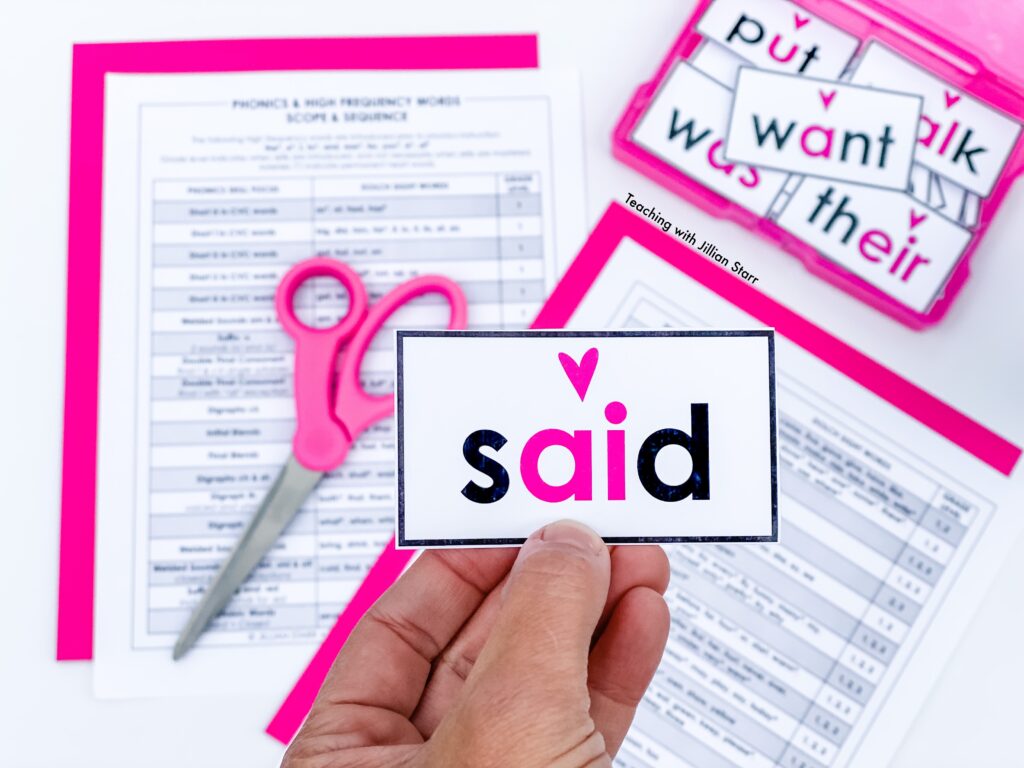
(293, 710)
(91, 63)
(618, 223)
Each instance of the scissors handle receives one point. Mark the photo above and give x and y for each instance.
(354, 407)
(320, 442)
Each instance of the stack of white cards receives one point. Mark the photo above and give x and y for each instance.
(878, 164)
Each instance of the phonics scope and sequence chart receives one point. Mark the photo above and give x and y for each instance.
(210, 200)
(221, 387)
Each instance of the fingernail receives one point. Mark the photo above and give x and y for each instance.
(567, 533)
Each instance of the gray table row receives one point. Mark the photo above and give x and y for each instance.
(348, 208)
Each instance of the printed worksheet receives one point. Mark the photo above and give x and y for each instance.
(819, 650)
(213, 186)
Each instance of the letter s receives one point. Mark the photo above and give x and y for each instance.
(493, 469)
(752, 180)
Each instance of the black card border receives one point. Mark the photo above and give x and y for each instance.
(403, 543)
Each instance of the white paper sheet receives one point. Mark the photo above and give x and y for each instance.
(213, 186)
(818, 650)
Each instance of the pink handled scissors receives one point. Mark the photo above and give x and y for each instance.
(331, 412)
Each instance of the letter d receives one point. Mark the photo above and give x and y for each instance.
(699, 482)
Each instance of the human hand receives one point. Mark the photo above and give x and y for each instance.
(480, 657)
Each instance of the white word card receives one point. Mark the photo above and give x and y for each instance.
(776, 34)
(645, 436)
(821, 128)
(888, 239)
(685, 125)
(959, 137)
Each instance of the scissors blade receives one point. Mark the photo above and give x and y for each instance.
(294, 483)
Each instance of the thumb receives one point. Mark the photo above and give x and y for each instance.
(551, 604)
(529, 685)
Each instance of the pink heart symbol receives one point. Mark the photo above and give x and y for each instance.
(951, 99)
(826, 98)
(800, 20)
(916, 218)
(580, 373)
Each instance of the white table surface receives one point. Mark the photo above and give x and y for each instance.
(974, 359)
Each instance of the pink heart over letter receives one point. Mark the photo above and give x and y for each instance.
(800, 20)
(916, 218)
(826, 98)
(580, 373)
(951, 99)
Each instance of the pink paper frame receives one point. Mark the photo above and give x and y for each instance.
(91, 63)
(867, 20)
(616, 224)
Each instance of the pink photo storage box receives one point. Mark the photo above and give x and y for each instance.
(968, 151)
